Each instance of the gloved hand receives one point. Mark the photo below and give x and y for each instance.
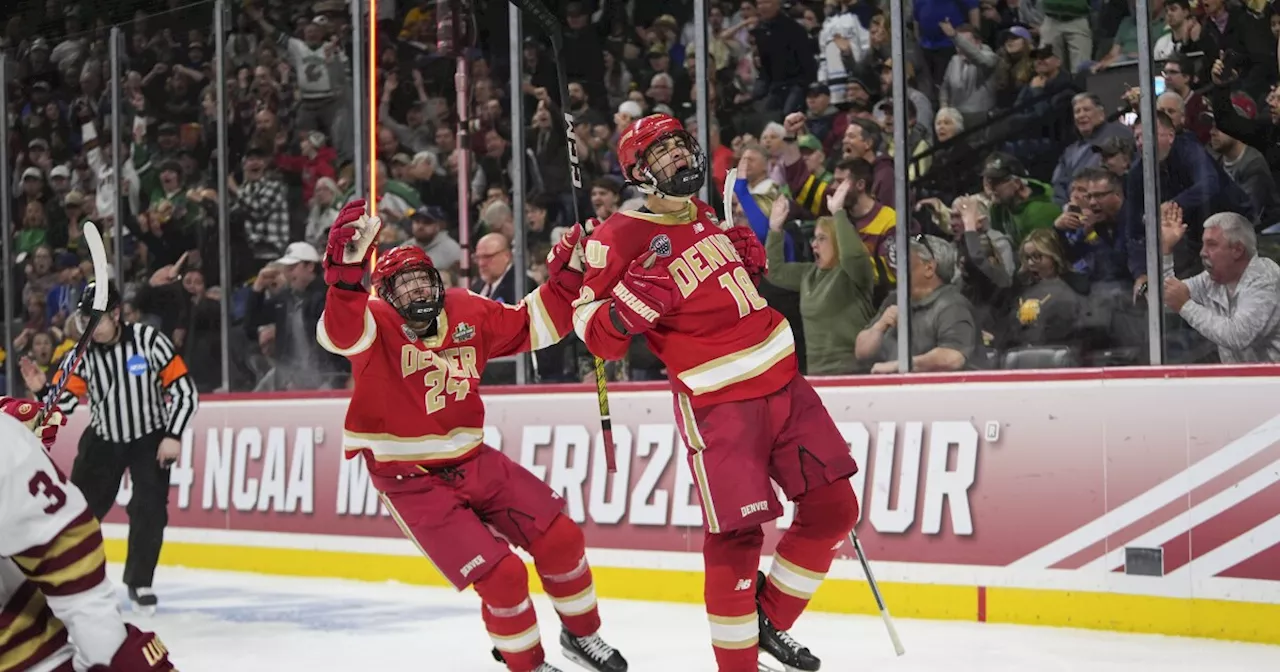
(645, 293)
(749, 250)
(141, 652)
(351, 240)
(564, 263)
(27, 412)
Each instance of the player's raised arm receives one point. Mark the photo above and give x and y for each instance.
(607, 257)
(543, 317)
(347, 326)
(52, 539)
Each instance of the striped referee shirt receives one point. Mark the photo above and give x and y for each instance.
(136, 387)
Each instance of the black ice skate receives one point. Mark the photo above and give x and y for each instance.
(144, 600)
(777, 643)
(592, 653)
(545, 667)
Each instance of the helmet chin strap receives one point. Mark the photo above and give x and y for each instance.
(422, 328)
(649, 188)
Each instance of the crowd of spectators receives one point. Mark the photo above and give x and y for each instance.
(1028, 244)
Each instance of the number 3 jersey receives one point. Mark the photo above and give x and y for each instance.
(723, 343)
(416, 401)
(53, 585)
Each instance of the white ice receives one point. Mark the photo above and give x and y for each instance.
(221, 621)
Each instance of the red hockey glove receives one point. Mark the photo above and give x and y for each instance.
(644, 294)
(26, 410)
(564, 264)
(141, 652)
(351, 240)
(750, 250)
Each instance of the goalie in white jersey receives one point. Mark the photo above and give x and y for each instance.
(58, 611)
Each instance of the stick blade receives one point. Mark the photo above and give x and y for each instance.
(729, 181)
(98, 254)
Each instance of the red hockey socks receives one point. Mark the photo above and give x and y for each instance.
(732, 559)
(824, 517)
(509, 616)
(560, 557)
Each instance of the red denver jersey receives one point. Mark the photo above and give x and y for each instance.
(416, 401)
(724, 342)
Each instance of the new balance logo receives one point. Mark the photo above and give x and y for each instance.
(743, 584)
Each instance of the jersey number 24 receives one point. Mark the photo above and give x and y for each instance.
(440, 381)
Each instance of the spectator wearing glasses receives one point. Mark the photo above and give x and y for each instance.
(944, 332)
(1179, 74)
(835, 289)
(493, 262)
(1049, 308)
(1093, 243)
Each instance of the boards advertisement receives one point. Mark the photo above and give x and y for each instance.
(1143, 500)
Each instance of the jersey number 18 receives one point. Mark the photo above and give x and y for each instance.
(743, 290)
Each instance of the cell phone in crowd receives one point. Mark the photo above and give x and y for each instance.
(1074, 209)
(1159, 88)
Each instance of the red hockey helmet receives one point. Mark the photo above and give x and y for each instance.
(406, 279)
(660, 157)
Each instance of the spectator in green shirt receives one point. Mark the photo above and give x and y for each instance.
(1019, 204)
(835, 289)
(35, 228)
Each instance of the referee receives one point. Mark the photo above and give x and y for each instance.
(140, 399)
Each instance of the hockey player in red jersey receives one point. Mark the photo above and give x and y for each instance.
(670, 273)
(417, 351)
(58, 611)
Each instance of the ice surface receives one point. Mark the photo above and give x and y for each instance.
(220, 622)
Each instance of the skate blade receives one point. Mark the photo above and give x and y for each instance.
(762, 666)
(144, 611)
(574, 658)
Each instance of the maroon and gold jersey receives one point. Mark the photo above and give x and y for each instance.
(724, 342)
(416, 401)
(54, 590)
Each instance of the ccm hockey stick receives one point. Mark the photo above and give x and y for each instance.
(555, 33)
(875, 592)
(98, 253)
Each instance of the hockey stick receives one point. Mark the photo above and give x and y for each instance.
(730, 181)
(875, 592)
(98, 253)
(555, 33)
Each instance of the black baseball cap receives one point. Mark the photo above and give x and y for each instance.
(1000, 166)
(1116, 144)
(428, 214)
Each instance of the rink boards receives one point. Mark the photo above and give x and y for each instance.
(1009, 498)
